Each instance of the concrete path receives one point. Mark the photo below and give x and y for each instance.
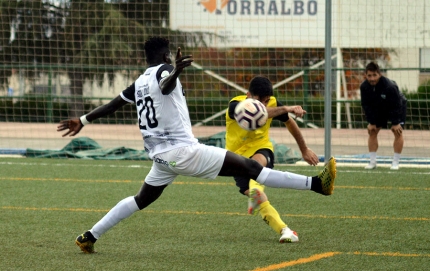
(344, 141)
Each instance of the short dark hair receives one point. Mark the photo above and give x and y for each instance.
(373, 67)
(261, 86)
(155, 48)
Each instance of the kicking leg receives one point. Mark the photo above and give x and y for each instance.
(236, 165)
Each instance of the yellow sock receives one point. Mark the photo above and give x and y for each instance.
(271, 217)
(268, 213)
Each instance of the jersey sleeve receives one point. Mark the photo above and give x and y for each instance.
(284, 117)
(163, 71)
(128, 94)
(231, 106)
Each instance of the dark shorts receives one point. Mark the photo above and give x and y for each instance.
(242, 182)
(382, 122)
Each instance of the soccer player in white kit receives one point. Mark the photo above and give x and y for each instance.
(165, 125)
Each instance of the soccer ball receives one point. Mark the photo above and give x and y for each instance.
(250, 114)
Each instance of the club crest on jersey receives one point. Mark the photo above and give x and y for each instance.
(139, 94)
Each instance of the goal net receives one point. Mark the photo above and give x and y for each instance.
(63, 58)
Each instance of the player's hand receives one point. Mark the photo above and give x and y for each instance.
(74, 126)
(397, 129)
(182, 61)
(296, 110)
(310, 157)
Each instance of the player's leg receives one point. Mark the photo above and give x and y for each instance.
(372, 143)
(399, 141)
(258, 202)
(269, 214)
(122, 210)
(263, 157)
(398, 147)
(253, 190)
(253, 203)
(272, 218)
(151, 189)
(208, 162)
(236, 165)
(125, 208)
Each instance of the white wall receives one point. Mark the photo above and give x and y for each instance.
(301, 23)
(405, 58)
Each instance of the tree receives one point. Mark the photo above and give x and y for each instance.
(86, 37)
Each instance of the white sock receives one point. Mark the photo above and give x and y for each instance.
(123, 209)
(373, 158)
(396, 159)
(280, 179)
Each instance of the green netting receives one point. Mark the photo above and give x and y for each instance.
(87, 148)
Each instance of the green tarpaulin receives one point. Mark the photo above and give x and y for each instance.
(86, 148)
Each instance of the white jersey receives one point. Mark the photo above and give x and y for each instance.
(164, 120)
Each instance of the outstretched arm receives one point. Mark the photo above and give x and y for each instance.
(307, 154)
(168, 84)
(75, 125)
(279, 110)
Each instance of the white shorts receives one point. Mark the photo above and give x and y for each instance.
(197, 160)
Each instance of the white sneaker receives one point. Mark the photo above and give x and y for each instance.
(370, 166)
(288, 236)
(394, 167)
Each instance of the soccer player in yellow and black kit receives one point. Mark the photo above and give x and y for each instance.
(257, 146)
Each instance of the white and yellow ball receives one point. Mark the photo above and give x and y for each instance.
(250, 114)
